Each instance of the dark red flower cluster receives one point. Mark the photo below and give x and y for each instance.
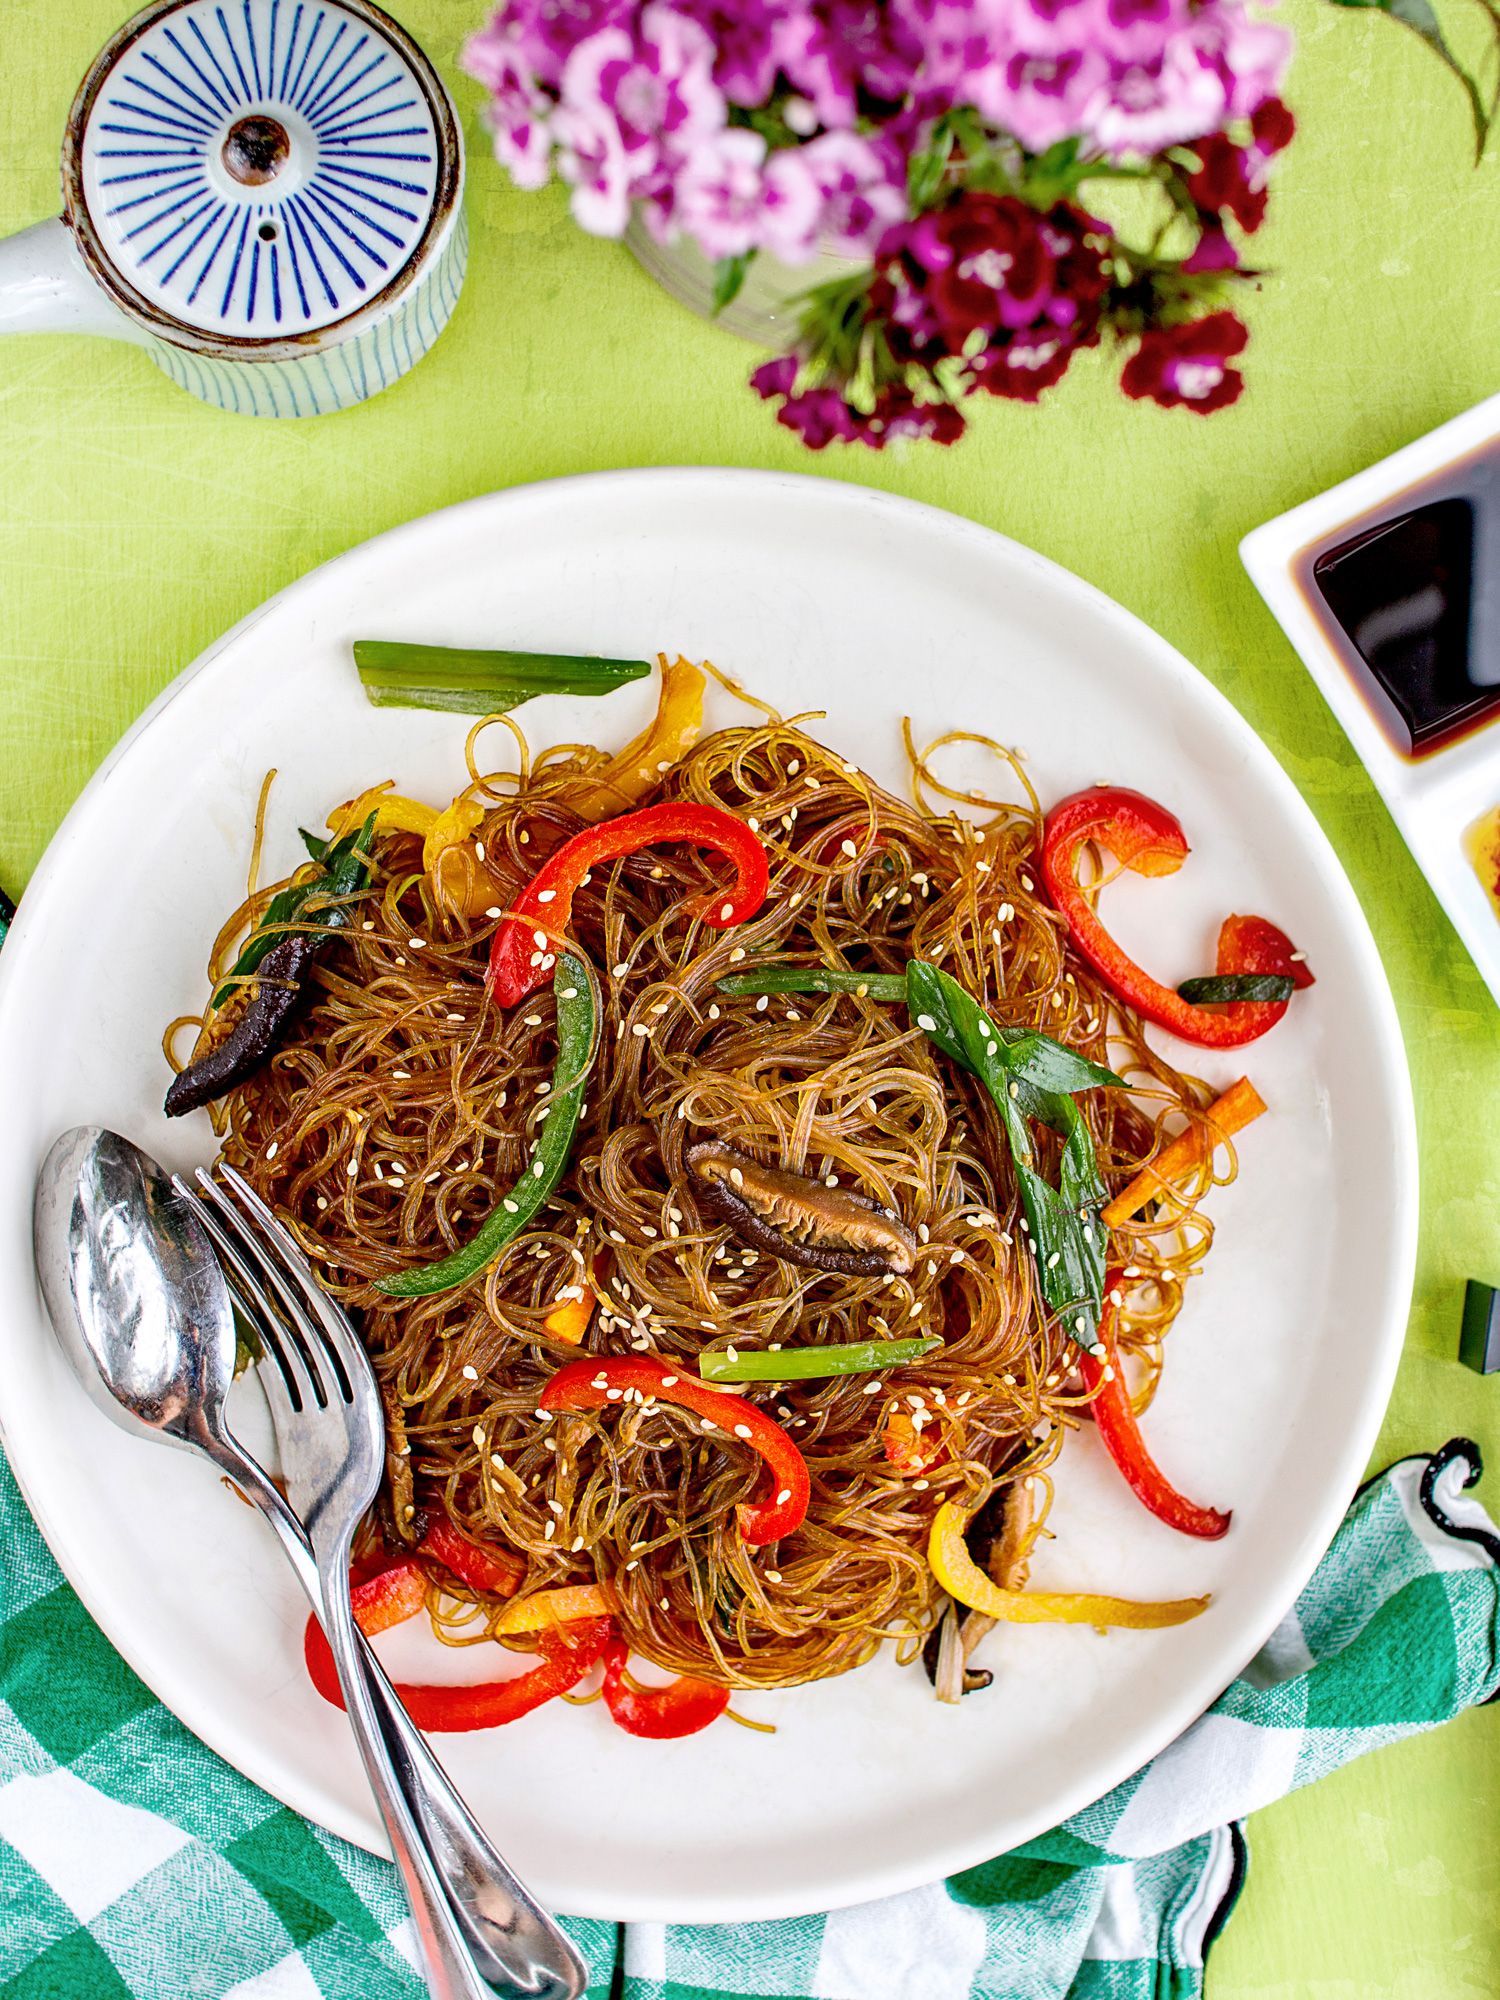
(1187, 367)
(989, 281)
(821, 416)
(1230, 180)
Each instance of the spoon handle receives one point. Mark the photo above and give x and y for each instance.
(518, 1949)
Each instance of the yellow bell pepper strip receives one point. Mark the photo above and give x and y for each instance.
(959, 1574)
(594, 1385)
(636, 770)
(1239, 1106)
(393, 813)
(544, 1608)
(450, 828)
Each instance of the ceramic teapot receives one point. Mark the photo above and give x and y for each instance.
(266, 195)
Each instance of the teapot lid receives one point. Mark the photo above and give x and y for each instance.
(248, 173)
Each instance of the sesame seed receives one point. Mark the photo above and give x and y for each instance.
(367, 925)
(794, 767)
(568, 993)
(322, 1201)
(1027, 884)
(273, 1149)
(920, 1485)
(726, 911)
(659, 1007)
(1015, 1088)
(538, 1169)
(669, 1381)
(1054, 1260)
(577, 1543)
(546, 895)
(955, 1256)
(619, 971)
(773, 1576)
(402, 1075)
(640, 1028)
(508, 1205)
(494, 910)
(416, 944)
(737, 954)
(352, 1169)
(848, 847)
(762, 1003)
(742, 1430)
(455, 1017)
(613, 1395)
(666, 1603)
(532, 1020)
(708, 1424)
(549, 1531)
(753, 824)
(783, 1496)
(872, 1388)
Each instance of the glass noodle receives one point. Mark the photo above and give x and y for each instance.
(403, 1105)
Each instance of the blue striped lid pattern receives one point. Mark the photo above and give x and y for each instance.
(260, 169)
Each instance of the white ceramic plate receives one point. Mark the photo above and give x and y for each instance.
(818, 594)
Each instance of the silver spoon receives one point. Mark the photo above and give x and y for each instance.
(143, 1313)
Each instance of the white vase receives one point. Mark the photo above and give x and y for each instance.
(765, 307)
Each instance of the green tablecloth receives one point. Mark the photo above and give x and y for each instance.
(135, 526)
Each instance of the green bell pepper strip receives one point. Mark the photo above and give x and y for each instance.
(803, 1364)
(576, 1016)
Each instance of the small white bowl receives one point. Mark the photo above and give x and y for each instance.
(1435, 797)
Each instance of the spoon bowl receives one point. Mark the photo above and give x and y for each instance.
(133, 1289)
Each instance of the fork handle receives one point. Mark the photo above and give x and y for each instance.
(514, 1946)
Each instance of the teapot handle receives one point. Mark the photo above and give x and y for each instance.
(45, 287)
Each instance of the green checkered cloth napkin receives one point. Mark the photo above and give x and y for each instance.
(134, 1862)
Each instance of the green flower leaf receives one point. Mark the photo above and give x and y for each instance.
(729, 275)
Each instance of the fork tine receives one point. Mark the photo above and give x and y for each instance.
(348, 1354)
(288, 1377)
(302, 1348)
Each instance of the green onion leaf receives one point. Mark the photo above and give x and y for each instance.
(802, 1364)
(342, 866)
(1215, 989)
(469, 680)
(1026, 1074)
(814, 979)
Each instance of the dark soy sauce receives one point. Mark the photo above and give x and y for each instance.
(1410, 597)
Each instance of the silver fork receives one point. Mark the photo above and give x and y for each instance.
(479, 1930)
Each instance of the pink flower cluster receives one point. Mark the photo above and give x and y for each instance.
(647, 104)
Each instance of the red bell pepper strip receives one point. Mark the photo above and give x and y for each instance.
(480, 1567)
(1121, 1436)
(545, 904)
(1145, 837)
(681, 1708)
(591, 1385)
(567, 1653)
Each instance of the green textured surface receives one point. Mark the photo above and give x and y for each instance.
(135, 526)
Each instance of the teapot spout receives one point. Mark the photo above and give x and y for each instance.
(45, 287)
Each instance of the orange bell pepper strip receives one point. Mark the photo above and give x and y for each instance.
(1145, 837)
(959, 1574)
(1239, 1106)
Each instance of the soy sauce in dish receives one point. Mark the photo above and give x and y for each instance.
(1409, 595)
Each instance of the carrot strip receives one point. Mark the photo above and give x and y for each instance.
(1240, 1105)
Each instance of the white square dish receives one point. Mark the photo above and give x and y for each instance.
(1434, 796)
